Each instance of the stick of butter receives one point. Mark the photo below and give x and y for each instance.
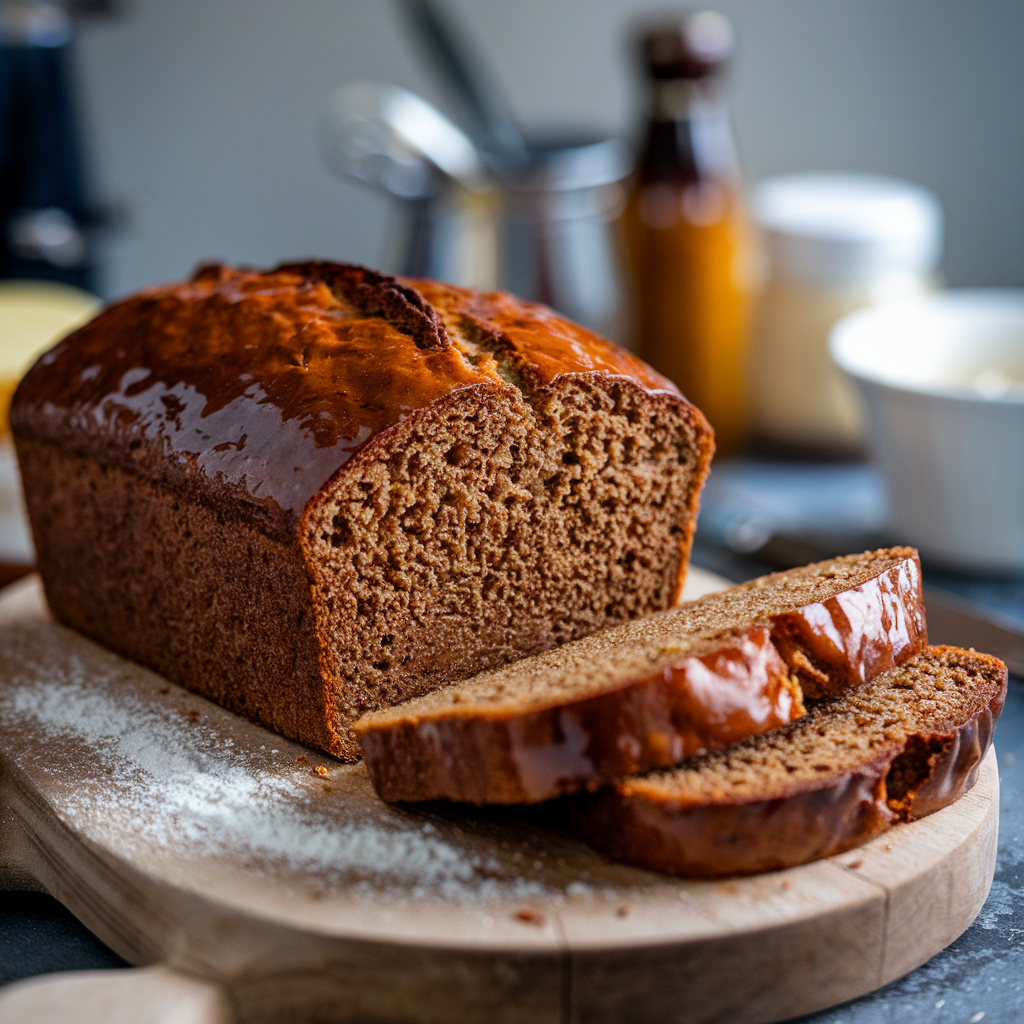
(34, 316)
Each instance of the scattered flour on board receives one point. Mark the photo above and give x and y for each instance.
(164, 779)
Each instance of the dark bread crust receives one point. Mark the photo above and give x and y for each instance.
(240, 408)
(237, 637)
(860, 615)
(378, 295)
(904, 771)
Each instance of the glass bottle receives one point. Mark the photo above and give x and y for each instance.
(685, 225)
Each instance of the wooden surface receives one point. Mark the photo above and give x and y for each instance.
(269, 884)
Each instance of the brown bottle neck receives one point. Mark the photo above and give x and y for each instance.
(689, 137)
(678, 99)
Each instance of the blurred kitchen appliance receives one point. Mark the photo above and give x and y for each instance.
(542, 229)
(685, 223)
(484, 205)
(44, 214)
(832, 243)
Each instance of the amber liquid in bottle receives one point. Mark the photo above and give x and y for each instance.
(689, 250)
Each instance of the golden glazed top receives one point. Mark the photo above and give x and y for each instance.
(266, 383)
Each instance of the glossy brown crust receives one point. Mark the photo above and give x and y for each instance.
(542, 346)
(926, 772)
(858, 634)
(702, 702)
(251, 389)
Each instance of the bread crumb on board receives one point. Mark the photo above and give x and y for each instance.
(534, 917)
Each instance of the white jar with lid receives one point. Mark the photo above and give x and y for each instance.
(833, 243)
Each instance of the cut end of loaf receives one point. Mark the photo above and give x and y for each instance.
(492, 527)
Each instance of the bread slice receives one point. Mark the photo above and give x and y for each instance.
(654, 691)
(900, 748)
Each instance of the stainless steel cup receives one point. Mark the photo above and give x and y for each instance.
(547, 233)
(547, 230)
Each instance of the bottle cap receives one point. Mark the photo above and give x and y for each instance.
(692, 46)
(847, 228)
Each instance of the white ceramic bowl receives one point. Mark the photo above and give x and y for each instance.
(942, 379)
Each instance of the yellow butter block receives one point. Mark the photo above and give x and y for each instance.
(34, 316)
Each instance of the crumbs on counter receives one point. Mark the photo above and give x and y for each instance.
(527, 916)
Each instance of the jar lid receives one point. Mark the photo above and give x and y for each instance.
(847, 228)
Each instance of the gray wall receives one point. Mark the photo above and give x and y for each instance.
(200, 115)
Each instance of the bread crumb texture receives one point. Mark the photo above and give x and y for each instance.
(488, 529)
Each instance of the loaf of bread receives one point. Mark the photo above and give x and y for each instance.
(899, 748)
(654, 691)
(317, 491)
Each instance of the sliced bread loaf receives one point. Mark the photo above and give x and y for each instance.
(316, 491)
(900, 748)
(653, 691)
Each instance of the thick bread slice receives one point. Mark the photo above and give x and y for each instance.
(654, 691)
(902, 747)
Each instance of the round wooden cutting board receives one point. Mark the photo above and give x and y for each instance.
(267, 882)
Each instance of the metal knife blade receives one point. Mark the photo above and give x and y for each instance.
(952, 620)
